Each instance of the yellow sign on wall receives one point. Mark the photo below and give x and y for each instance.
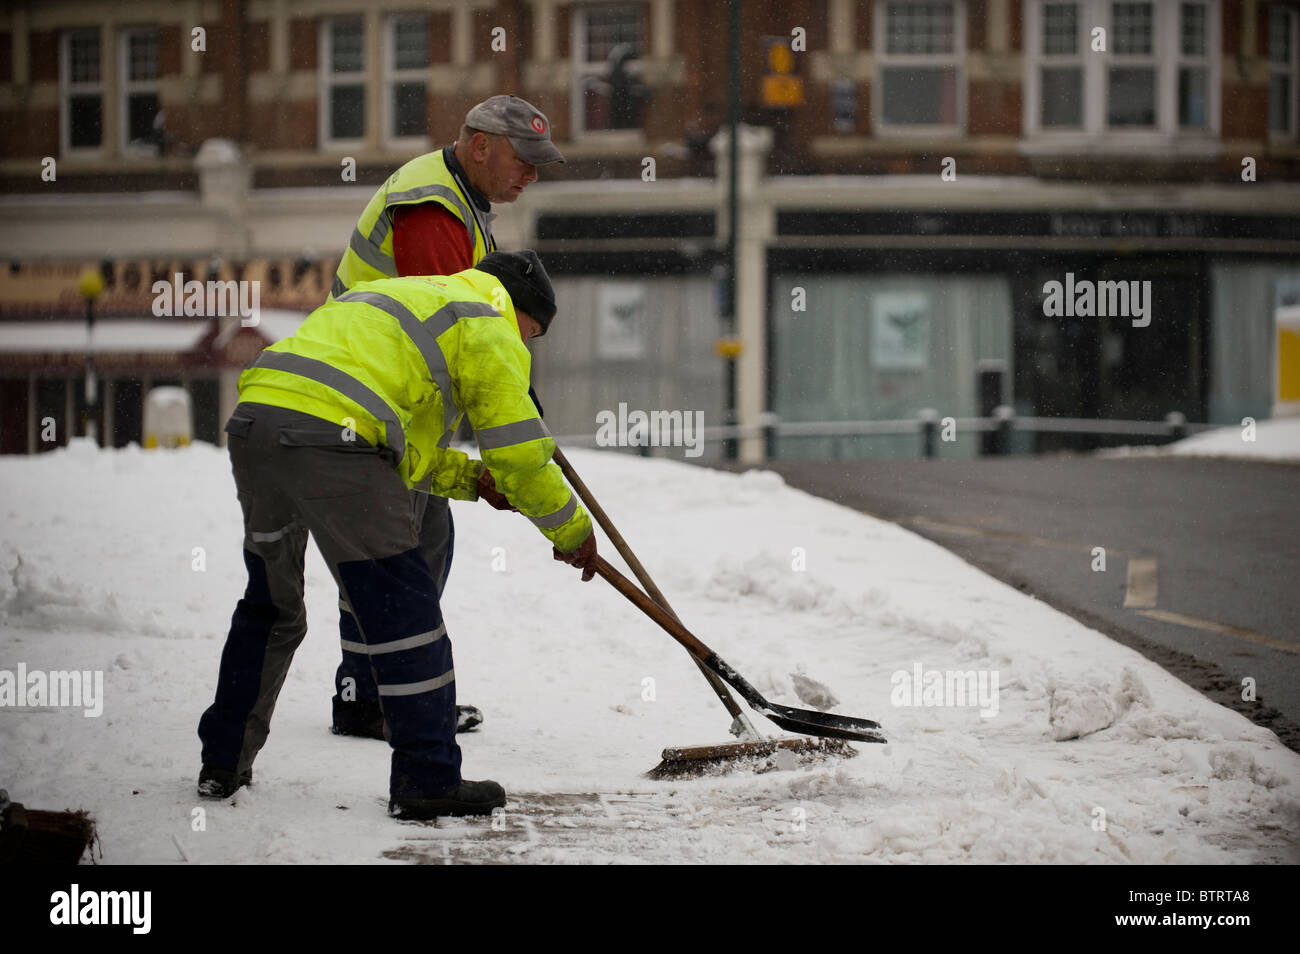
(781, 91)
(782, 85)
(1288, 364)
(1286, 380)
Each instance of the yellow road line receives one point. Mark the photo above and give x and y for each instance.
(1227, 629)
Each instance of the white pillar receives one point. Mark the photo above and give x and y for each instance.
(756, 227)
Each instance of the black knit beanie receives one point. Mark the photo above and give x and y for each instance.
(526, 282)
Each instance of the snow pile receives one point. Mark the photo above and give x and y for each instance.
(1277, 440)
(1082, 708)
(128, 562)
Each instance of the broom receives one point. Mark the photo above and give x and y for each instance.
(31, 837)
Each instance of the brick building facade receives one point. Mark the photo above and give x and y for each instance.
(1004, 140)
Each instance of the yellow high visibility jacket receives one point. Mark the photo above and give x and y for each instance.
(400, 361)
(369, 255)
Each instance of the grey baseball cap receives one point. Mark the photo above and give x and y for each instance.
(526, 126)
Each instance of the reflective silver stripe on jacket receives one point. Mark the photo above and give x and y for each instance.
(271, 537)
(424, 335)
(346, 385)
(412, 326)
(560, 516)
(372, 255)
(423, 192)
(441, 321)
(396, 645)
(338, 288)
(415, 688)
(503, 435)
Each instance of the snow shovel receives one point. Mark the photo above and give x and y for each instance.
(694, 760)
(803, 721)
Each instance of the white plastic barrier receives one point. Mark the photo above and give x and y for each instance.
(168, 421)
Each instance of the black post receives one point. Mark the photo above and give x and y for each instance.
(990, 376)
(1006, 425)
(1177, 426)
(90, 389)
(731, 445)
(929, 432)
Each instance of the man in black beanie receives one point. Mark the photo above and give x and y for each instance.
(336, 426)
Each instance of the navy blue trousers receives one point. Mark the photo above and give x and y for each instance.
(296, 475)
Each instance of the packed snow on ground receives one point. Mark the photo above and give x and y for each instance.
(129, 562)
(1277, 440)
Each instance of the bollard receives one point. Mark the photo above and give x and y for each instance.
(1177, 423)
(1006, 425)
(768, 421)
(929, 432)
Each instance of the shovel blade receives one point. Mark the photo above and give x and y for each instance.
(834, 727)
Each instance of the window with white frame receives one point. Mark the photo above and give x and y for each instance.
(1060, 73)
(1131, 78)
(1282, 71)
(1194, 66)
(82, 92)
(406, 78)
(343, 81)
(1104, 67)
(140, 121)
(920, 49)
(607, 43)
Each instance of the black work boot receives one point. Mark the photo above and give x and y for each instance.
(468, 798)
(366, 720)
(363, 718)
(221, 783)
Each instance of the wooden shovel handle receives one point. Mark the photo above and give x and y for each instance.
(656, 612)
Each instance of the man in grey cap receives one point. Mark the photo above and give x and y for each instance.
(433, 216)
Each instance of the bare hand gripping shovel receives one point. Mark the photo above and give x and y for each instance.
(803, 721)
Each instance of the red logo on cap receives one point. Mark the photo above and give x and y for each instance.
(539, 124)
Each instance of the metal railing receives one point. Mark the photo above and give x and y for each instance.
(929, 426)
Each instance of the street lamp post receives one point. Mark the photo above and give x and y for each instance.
(91, 285)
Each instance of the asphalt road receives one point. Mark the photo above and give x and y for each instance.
(1206, 553)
